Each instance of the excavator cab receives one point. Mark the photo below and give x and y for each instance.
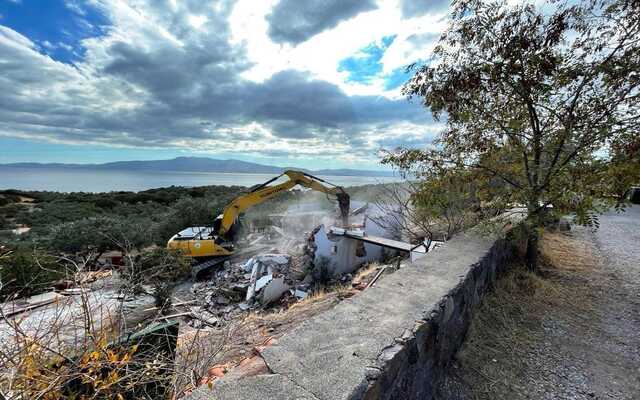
(233, 232)
(200, 241)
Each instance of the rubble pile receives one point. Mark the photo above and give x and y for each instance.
(281, 267)
(219, 297)
(310, 247)
(260, 281)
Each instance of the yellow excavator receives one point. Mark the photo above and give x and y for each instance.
(210, 246)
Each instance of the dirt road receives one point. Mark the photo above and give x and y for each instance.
(573, 335)
(612, 370)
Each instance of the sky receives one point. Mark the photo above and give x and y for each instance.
(312, 83)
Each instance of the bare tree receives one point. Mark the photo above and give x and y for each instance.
(397, 213)
(416, 210)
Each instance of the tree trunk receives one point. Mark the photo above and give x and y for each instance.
(532, 225)
(531, 257)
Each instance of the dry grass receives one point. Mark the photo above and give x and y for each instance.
(564, 252)
(366, 273)
(510, 320)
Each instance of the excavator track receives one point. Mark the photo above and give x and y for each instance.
(200, 269)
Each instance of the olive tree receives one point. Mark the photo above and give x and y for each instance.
(532, 100)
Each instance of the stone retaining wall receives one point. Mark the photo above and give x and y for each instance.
(392, 341)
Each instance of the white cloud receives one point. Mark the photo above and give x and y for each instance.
(209, 78)
(322, 54)
(197, 20)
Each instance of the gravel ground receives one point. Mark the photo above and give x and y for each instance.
(583, 345)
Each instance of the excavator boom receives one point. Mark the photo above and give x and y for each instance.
(265, 192)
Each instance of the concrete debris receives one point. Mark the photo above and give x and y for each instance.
(267, 272)
(279, 231)
(299, 294)
(278, 261)
(273, 290)
(218, 298)
(262, 282)
(329, 256)
(205, 318)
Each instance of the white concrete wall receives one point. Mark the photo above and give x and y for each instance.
(344, 259)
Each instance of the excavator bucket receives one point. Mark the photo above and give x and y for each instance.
(344, 204)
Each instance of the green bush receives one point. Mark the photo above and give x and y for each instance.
(99, 234)
(12, 210)
(27, 272)
(58, 212)
(4, 223)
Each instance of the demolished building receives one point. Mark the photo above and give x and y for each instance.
(342, 254)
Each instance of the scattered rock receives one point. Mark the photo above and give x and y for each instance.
(222, 300)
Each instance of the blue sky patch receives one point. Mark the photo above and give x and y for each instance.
(365, 65)
(56, 26)
(396, 78)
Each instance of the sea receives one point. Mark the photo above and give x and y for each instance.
(79, 180)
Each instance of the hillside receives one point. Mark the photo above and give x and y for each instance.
(200, 164)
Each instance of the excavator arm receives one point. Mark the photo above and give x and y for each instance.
(265, 192)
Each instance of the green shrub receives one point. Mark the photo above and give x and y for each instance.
(26, 272)
(4, 223)
(99, 234)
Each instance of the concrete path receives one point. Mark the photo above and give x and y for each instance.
(615, 368)
(619, 241)
(595, 355)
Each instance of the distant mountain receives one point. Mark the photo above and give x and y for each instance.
(199, 164)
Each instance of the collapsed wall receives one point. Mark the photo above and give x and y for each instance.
(344, 255)
(392, 341)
